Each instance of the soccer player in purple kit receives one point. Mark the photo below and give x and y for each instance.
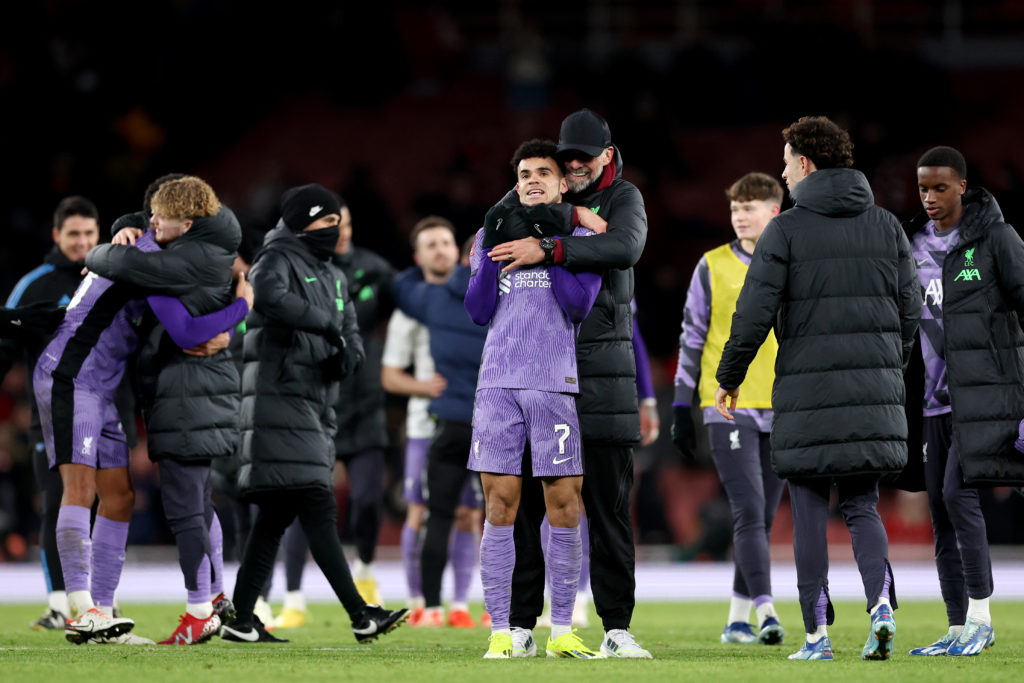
(970, 264)
(74, 383)
(525, 395)
(741, 450)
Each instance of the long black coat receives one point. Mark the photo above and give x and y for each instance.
(982, 305)
(836, 277)
(362, 423)
(607, 402)
(291, 371)
(190, 404)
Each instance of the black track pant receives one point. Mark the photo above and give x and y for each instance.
(446, 475)
(318, 513)
(607, 480)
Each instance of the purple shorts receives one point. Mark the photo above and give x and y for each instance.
(80, 427)
(414, 487)
(505, 420)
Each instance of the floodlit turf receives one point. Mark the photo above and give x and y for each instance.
(682, 636)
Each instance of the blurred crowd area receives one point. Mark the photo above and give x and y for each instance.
(414, 108)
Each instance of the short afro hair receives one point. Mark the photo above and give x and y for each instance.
(822, 141)
(755, 186)
(945, 156)
(535, 149)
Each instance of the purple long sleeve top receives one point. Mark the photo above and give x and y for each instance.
(532, 314)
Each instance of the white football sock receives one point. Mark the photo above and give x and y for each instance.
(739, 609)
(977, 609)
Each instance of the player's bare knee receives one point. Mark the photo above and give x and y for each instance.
(464, 518)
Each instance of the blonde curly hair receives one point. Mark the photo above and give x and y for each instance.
(185, 198)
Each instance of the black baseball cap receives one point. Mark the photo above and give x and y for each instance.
(584, 131)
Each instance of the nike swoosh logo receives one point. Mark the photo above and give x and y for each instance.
(313, 210)
(251, 636)
(371, 629)
(559, 462)
(310, 279)
(16, 322)
(922, 262)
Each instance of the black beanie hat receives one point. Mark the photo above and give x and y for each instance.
(300, 206)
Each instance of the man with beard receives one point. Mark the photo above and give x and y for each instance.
(607, 401)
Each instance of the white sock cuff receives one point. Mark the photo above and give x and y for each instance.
(295, 600)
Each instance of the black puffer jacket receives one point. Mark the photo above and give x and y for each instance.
(836, 276)
(190, 404)
(982, 306)
(362, 424)
(291, 370)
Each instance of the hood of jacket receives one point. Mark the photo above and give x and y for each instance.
(981, 211)
(834, 192)
(221, 229)
(282, 237)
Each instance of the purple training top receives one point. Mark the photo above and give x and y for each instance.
(99, 330)
(930, 247)
(696, 318)
(533, 314)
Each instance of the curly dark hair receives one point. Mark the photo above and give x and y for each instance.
(822, 141)
(535, 149)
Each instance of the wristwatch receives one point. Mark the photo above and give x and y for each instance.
(547, 244)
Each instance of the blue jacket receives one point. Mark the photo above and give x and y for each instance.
(456, 342)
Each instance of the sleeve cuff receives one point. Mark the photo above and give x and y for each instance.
(558, 254)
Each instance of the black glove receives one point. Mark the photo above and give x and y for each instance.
(335, 337)
(35, 320)
(683, 434)
(504, 223)
(549, 220)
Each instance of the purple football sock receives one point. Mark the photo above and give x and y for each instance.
(886, 584)
(497, 560)
(74, 546)
(565, 555)
(216, 557)
(203, 590)
(585, 564)
(411, 561)
(462, 553)
(762, 599)
(109, 539)
(821, 609)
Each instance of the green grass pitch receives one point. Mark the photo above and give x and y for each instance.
(683, 638)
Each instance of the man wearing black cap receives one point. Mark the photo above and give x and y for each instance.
(607, 402)
(302, 338)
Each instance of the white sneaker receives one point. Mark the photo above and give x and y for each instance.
(123, 639)
(95, 624)
(262, 610)
(523, 644)
(621, 643)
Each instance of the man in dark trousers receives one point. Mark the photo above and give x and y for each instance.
(362, 428)
(302, 338)
(835, 276)
(75, 231)
(607, 402)
(970, 264)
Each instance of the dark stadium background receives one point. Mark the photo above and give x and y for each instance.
(409, 108)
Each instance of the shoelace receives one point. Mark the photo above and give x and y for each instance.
(624, 638)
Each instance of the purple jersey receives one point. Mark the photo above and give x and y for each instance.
(531, 343)
(696, 318)
(930, 247)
